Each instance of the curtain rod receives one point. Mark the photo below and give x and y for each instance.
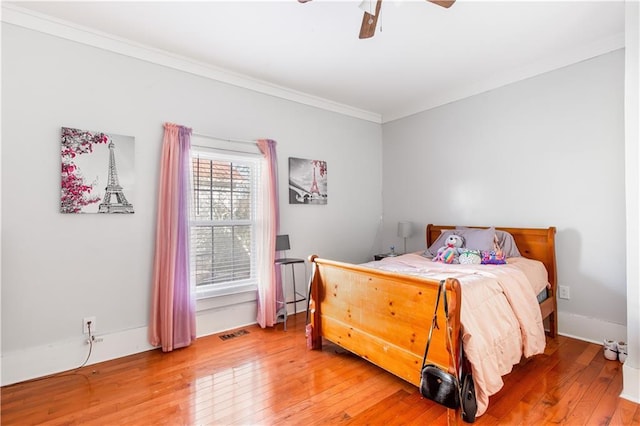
(223, 139)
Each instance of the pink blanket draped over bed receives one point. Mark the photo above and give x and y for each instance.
(500, 316)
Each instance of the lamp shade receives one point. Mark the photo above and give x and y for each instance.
(404, 229)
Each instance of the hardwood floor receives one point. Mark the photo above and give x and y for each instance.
(269, 377)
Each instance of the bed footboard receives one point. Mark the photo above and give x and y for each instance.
(381, 316)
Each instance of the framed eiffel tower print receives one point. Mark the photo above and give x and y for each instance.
(97, 171)
(307, 181)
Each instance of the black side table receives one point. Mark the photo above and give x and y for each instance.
(383, 255)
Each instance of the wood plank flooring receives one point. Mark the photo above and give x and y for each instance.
(268, 377)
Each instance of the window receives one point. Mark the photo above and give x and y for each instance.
(223, 223)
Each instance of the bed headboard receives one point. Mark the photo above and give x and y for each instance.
(534, 243)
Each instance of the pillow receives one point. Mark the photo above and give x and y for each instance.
(507, 244)
(477, 239)
(474, 239)
(504, 241)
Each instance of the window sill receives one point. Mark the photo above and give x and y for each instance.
(221, 299)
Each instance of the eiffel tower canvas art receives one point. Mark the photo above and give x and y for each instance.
(307, 181)
(97, 172)
(113, 189)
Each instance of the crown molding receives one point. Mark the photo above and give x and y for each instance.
(547, 64)
(49, 25)
(15, 15)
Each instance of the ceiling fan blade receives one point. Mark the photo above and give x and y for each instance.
(368, 28)
(443, 3)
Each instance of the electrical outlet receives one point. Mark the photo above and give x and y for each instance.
(563, 292)
(85, 325)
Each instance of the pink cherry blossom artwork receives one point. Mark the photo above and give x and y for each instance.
(96, 172)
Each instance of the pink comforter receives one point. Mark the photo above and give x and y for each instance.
(500, 316)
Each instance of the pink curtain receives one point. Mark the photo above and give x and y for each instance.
(270, 295)
(172, 323)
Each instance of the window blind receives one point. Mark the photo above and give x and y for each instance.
(223, 246)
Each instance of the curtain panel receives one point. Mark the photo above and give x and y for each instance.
(270, 294)
(172, 323)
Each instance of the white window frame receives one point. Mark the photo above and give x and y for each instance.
(238, 286)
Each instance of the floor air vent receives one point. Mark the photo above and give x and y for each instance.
(234, 334)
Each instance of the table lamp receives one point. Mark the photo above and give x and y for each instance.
(404, 231)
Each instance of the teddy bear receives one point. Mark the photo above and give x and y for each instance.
(451, 250)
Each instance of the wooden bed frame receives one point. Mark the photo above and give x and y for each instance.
(384, 317)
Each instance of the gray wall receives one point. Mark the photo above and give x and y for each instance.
(546, 151)
(57, 269)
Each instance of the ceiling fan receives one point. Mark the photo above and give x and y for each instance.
(370, 18)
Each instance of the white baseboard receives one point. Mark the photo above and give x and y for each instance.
(592, 330)
(57, 357)
(595, 331)
(18, 366)
(222, 318)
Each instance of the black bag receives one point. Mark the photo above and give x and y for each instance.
(439, 386)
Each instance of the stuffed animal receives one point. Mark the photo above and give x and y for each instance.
(493, 258)
(470, 257)
(451, 250)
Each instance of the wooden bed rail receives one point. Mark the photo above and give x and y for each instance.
(381, 316)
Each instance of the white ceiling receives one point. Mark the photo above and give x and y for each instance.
(421, 56)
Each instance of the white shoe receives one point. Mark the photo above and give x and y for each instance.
(611, 350)
(622, 351)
